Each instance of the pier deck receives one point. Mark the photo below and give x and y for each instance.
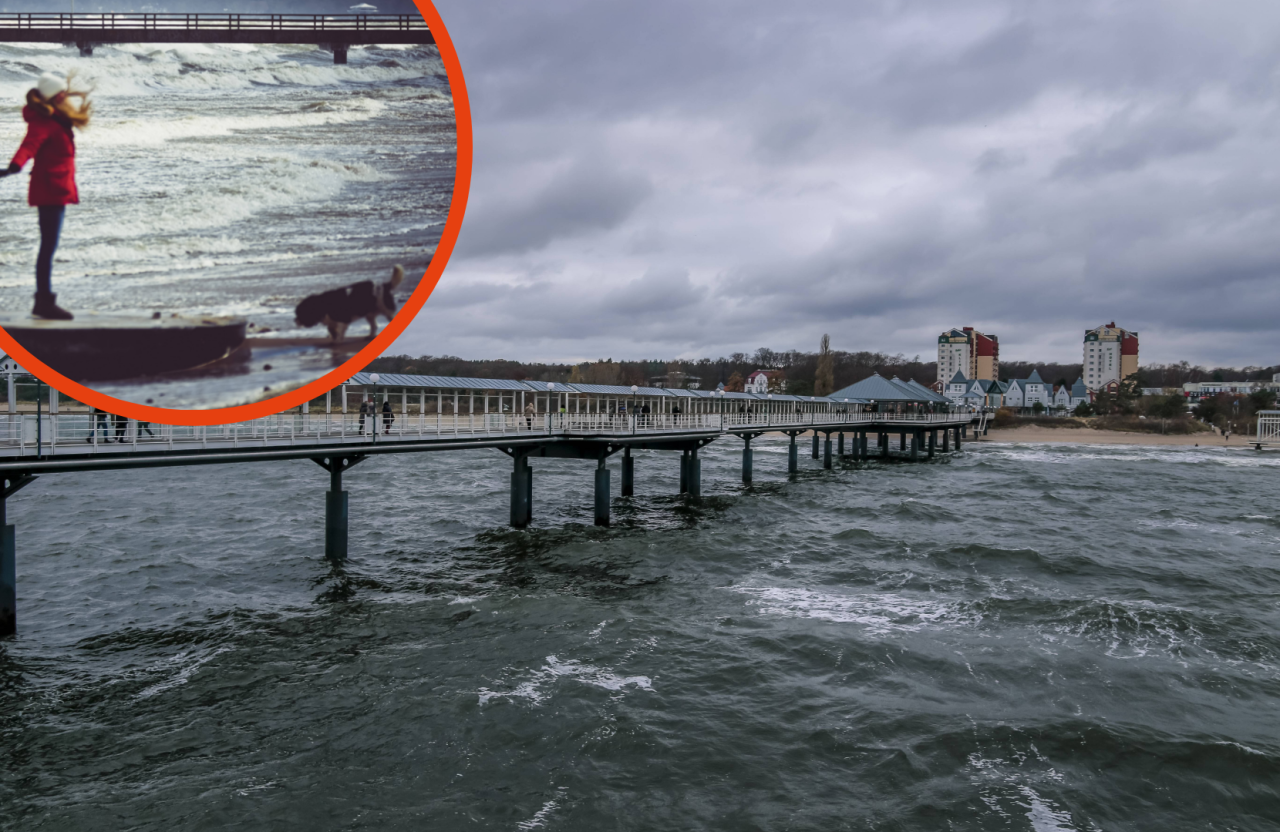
(528, 420)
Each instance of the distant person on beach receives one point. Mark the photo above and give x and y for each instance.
(50, 117)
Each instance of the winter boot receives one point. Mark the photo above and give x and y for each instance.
(47, 307)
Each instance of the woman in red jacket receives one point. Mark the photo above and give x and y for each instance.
(50, 116)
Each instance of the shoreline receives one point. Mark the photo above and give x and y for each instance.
(1034, 434)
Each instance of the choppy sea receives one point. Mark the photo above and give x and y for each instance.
(1021, 637)
(234, 180)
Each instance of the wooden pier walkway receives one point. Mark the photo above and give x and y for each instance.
(337, 33)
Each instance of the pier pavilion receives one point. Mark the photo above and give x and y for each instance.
(526, 420)
(337, 32)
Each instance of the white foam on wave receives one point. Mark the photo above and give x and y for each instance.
(879, 612)
(187, 662)
(149, 69)
(1178, 454)
(150, 132)
(534, 688)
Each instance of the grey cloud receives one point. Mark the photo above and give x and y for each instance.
(588, 196)
(1128, 141)
(659, 178)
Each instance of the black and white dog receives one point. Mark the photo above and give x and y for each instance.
(338, 308)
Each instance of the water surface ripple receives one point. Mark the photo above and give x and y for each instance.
(1020, 637)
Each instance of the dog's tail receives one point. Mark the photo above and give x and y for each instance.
(397, 276)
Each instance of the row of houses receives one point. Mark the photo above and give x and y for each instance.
(1017, 393)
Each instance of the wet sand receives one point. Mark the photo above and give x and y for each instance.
(1090, 436)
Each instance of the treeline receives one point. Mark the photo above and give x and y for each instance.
(799, 369)
(1176, 375)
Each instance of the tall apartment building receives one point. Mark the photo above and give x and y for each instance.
(1110, 354)
(970, 352)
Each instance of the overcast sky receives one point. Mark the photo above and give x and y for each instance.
(659, 179)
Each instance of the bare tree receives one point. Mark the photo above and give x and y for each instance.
(824, 379)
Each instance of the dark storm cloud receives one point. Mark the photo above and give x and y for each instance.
(666, 178)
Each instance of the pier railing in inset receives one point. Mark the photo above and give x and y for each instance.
(337, 32)
(117, 21)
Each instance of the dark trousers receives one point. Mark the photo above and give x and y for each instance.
(50, 230)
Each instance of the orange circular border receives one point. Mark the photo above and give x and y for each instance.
(353, 365)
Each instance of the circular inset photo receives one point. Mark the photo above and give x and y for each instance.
(212, 217)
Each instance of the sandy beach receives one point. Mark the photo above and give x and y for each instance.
(1089, 436)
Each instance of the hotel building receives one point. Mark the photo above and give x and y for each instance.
(970, 352)
(1110, 354)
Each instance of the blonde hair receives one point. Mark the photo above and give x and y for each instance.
(78, 116)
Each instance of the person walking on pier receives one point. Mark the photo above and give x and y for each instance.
(50, 117)
(99, 423)
(365, 410)
(387, 416)
(529, 412)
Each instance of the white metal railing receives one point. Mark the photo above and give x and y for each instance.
(1268, 427)
(23, 434)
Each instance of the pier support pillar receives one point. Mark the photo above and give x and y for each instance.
(902, 441)
(602, 494)
(862, 445)
(521, 492)
(883, 440)
(693, 472)
(826, 453)
(915, 444)
(628, 473)
(8, 582)
(815, 444)
(336, 525)
(793, 456)
(933, 441)
(958, 431)
(86, 48)
(746, 463)
(335, 505)
(840, 444)
(946, 440)
(684, 472)
(340, 54)
(9, 557)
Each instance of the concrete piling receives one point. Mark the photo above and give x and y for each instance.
(628, 473)
(793, 460)
(602, 494)
(695, 474)
(815, 444)
(840, 444)
(826, 453)
(521, 492)
(933, 441)
(684, 472)
(746, 462)
(8, 581)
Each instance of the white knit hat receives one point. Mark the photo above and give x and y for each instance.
(50, 85)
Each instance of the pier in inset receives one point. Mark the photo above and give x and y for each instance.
(336, 32)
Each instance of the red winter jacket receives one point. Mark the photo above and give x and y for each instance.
(50, 143)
